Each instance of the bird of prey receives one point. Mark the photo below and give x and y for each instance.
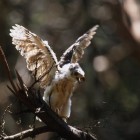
(58, 78)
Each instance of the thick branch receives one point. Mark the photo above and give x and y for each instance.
(42, 111)
(52, 120)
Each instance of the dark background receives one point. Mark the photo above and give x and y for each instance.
(107, 104)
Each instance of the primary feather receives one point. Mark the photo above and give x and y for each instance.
(75, 52)
(39, 56)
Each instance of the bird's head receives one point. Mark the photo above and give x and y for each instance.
(73, 71)
(77, 72)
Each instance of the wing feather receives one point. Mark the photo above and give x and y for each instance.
(75, 52)
(40, 58)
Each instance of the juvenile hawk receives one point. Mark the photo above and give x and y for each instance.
(58, 78)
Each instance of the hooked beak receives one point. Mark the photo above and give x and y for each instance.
(80, 79)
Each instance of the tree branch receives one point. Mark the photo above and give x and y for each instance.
(40, 108)
(5, 63)
(27, 133)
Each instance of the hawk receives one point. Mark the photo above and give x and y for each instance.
(58, 78)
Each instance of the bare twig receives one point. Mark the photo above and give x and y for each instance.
(3, 119)
(5, 63)
(37, 80)
(27, 133)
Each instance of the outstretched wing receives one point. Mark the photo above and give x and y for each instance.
(40, 58)
(75, 52)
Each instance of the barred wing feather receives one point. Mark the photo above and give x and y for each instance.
(40, 58)
(75, 52)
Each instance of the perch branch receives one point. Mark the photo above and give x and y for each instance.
(50, 118)
(40, 108)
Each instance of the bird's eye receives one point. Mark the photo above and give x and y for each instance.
(76, 73)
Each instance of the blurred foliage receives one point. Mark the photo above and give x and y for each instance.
(108, 103)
